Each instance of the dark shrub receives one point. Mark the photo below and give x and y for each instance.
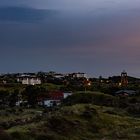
(93, 98)
(134, 109)
(4, 135)
(16, 135)
(89, 112)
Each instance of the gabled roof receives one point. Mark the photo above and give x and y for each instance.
(130, 92)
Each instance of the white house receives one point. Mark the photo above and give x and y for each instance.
(29, 80)
(81, 75)
(78, 75)
(55, 99)
(59, 76)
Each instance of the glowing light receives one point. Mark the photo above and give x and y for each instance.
(120, 84)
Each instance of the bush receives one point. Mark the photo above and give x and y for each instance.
(134, 109)
(89, 112)
(93, 98)
(4, 135)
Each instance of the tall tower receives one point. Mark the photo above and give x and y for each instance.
(124, 79)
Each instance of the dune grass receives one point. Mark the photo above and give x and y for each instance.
(81, 122)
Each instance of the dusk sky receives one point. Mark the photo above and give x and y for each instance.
(98, 37)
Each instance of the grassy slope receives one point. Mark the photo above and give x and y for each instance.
(81, 122)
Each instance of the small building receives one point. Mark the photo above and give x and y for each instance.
(59, 76)
(21, 103)
(78, 75)
(54, 98)
(125, 92)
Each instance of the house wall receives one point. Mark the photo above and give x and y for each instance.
(31, 81)
(66, 95)
(50, 103)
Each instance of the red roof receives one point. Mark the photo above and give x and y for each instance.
(56, 95)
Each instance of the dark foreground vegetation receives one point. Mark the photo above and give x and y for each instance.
(96, 112)
(82, 116)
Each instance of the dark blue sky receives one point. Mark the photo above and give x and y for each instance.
(100, 37)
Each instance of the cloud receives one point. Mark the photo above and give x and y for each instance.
(83, 6)
(94, 42)
(24, 14)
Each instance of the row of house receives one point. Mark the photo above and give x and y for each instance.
(34, 80)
